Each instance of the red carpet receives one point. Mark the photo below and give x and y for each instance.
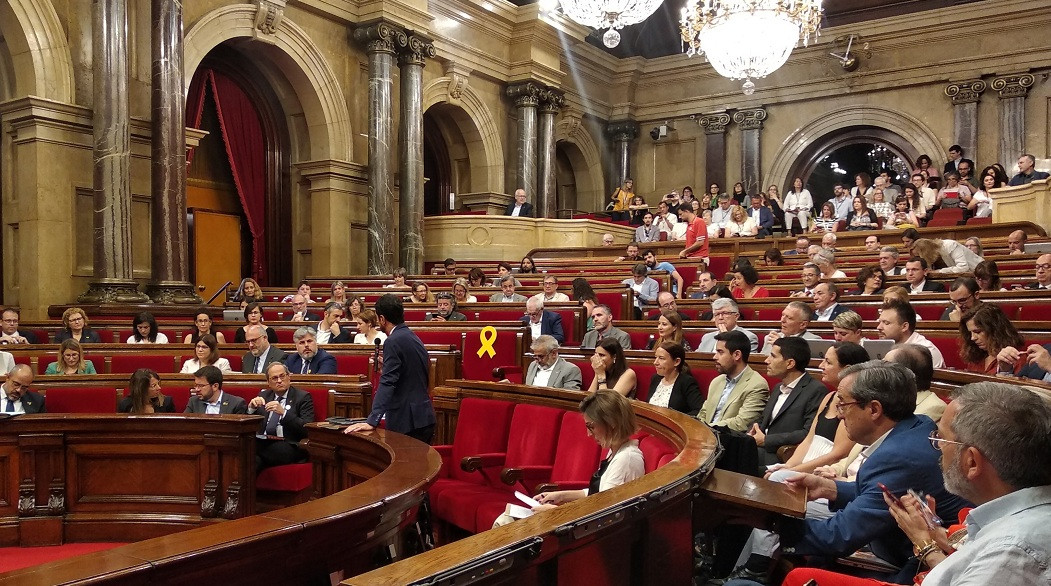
(16, 558)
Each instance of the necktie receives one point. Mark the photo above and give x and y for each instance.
(259, 364)
(304, 370)
(10, 406)
(274, 418)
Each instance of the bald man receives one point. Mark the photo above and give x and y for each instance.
(16, 396)
(1016, 242)
(1043, 273)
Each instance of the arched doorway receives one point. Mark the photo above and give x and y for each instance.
(437, 170)
(839, 156)
(565, 178)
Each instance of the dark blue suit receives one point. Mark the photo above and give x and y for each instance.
(404, 390)
(1033, 371)
(766, 220)
(550, 324)
(904, 460)
(321, 363)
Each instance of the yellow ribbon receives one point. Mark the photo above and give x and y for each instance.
(487, 337)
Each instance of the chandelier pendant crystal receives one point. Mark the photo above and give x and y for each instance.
(743, 39)
(605, 14)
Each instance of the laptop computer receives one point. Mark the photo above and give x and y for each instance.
(877, 349)
(1038, 247)
(819, 347)
(233, 315)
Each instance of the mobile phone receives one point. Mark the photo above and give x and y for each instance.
(933, 520)
(889, 494)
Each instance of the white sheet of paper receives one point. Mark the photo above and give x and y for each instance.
(518, 512)
(527, 499)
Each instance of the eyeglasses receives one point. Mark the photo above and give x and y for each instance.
(960, 302)
(590, 425)
(17, 386)
(841, 405)
(254, 340)
(278, 377)
(668, 305)
(199, 386)
(1043, 267)
(724, 313)
(540, 356)
(937, 441)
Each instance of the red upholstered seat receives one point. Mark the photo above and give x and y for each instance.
(127, 364)
(639, 340)
(180, 398)
(1035, 312)
(481, 367)
(587, 373)
(245, 392)
(287, 478)
(1011, 310)
(415, 314)
(447, 338)
(285, 335)
(356, 364)
(643, 374)
(719, 265)
(867, 311)
(929, 312)
(769, 314)
(949, 345)
(81, 400)
(979, 221)
(615, 302)
(656, 452)
(704, 377)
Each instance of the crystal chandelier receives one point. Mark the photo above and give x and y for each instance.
(604, 14)
(747, 38)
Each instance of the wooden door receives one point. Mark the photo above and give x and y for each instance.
(217, 251)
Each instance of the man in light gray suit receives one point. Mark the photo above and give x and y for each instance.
(210, 398)
(260, 352)
(548, 369)
(602, 317)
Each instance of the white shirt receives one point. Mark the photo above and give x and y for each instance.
(919, 288)
(543, 373)
(161, 339)
(517, 211)
(193, 365)
(826, 314)
(936, 354)
(323, 334)
(721, 217)
(3, 404)
(213, 408)
(786, 390)
(361, 339)
(534, 329)
(556, 298)
(624, 466)
(662, 394)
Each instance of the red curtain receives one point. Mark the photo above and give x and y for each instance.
(246, 150)
(195, 105)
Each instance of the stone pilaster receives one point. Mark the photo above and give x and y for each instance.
(526, 98)
(381, 40)
(751, 123)
(551, 103)
(965, 96)
(714, 126)
(112, 266)
(622, 133)
(1012, 90)
(170, 261)
(410, 151)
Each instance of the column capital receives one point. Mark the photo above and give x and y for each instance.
(966, 92)
(416, 51)
(623, 130)
(380, 36)
(268, 17)
(1013, 86)
(551, 101)
(714, 123)
(750, 118)
(525, 94)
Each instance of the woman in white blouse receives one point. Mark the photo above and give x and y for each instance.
(146, 330)
(980, 204)
(207, 353)
(368, 328)
(673, 386)
(741, 224)
(797, 206)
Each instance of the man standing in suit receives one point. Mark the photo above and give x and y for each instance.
(309, 359)
(260, 352)
(602, 317)
(826, 302)
(542, 322)
(403, 396)
(548, 369)
(953, 164)
(300, 312)
(286, 410)
(916, 271)
(17, 398)
(11, 335)
(793, 405)
(209, 397)
(519, 207)
(737, 397)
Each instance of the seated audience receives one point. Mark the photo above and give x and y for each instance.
(1027, 172)
(826, 220)
(507, 294)
(737, 397)
(339, 294)
(10, 333)
(519, 207)
(631, 252)
(462, 292)
(870, 281)
(15, 394)
(300, 311)
(665, 220)
(810, 276)
(963, 296)
(744, 283)
(208, 397)
(847, 328)
(303, 289)
(542, 322)
(75, 322)
(795, 319)
(449, 267)
(984, 332)
(888, 261)
(399, 276)
(146, 330)
(666, 301)
(445, 308)
(725, 313)
(896, 293)
(353, 306)
(551, 294)
(981, 203)
(828, 242)
(202, 323)
(286, 410)
(648, 231)
(884, 209)
(644, 289)
(70, 360)
(974, 244)
(861, 217)
(669, 330)
(897, 321)
(916, 271)
(548, 369)
(253, 313)
(527, 266)
(908, 237)
(677, 283)
(903, 216)
(1043, 273)
(145, 396)
(611, 369)
(602, 319)
(328, 329)
(773, 258)
(761, 215)
(826, 263)
(797, 205)
(476, 278)
(248, 291)
(1016, 241)
(206, 352)
(503, 269)
(260, 352)
(368, 329)
(309, 359)
(826, 302)
(949, 255)
(919, 361)
(673, 386)
(421, 293)
(611, 421)
(740, 224)
(953, 193)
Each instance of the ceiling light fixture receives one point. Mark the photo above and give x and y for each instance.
(743, 39)
(604, 14)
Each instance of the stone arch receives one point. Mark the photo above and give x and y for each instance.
(33, 31)
(909, 128)
(586, 160)
(302, 65)
(479, 130)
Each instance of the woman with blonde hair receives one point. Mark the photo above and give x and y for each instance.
(70, 360)
(145, 396)
(896, 293)
(846, 327)
(950, 255)
(462, 291)
(339, 294)
(76, 323)
(741, 224)
(618, 202)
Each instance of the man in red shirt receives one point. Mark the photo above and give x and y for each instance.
(696, 235)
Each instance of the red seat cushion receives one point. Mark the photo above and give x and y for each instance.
(81, 400)
(352, 364)
(769, 314)
(643, 374)
(577, 456)
(531, 440)
(129, 363)
(477, 367)
(1035, 312)
(287, 478)
(656, 452)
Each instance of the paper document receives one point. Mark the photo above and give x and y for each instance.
(518, 512)
(527, 499)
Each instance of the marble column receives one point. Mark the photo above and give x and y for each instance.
(410, 151)
(622, 132)
(751, 123)
(547, 198)
(714, 126)
(526, 98)
(381, 41)
(170, 256)
(111, 183)
(965, 96)
(1012, 90)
